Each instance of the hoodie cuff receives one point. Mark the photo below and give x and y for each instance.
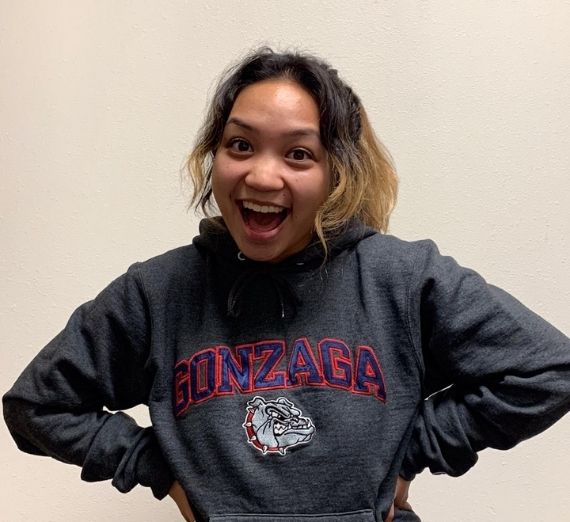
(153, 471)
(410, 467)
(144, 464)
(406, 475)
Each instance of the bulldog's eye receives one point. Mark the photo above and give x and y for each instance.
(275, 414)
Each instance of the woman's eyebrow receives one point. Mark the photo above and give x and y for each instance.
(302, 131)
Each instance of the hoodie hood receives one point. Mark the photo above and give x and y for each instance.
(216, 243)
(215, 239)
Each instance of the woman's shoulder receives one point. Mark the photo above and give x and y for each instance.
(391, 249)
(171, 267)
(171, 258)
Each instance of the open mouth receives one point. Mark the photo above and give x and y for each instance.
(262, 218)
(279, 428)
(299, 425)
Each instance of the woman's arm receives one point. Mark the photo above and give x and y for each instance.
(100, 360)
(495, 372)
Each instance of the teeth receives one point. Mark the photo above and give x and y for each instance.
(279, 428)
(264, 209)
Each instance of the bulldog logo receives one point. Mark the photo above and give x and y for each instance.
(275, 426)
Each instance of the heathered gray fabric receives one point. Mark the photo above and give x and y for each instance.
(430, 324)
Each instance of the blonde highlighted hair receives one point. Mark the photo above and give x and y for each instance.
(364, 182)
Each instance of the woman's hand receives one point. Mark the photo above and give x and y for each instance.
(400, 498)
(178, 495)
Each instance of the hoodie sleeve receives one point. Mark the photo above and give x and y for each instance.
(495, 372)
(99, 362)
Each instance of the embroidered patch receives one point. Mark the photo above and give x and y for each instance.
(277, 425)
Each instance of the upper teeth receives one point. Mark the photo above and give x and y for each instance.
(264, 209)
(279, 428)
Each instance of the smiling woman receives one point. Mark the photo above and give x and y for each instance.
(294, 350)
(270, 173)
(321, 121)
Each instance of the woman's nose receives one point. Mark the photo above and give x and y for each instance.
(265, 175)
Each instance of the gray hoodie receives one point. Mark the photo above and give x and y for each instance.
(295, 391)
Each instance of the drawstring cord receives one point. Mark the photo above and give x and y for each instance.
(246, 279)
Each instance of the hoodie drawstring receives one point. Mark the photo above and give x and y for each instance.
(280, 284)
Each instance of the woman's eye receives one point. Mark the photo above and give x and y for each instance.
(239, 145)
(299, 155)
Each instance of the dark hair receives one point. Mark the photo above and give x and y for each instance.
(355, 156)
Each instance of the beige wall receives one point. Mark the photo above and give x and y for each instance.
(99, 104)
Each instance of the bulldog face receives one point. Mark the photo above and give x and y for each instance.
(274, 426)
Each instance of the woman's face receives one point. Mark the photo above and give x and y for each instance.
(270, 173)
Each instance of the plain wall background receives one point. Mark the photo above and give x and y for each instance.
(99, 104)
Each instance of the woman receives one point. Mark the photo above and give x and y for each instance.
(297, 361)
